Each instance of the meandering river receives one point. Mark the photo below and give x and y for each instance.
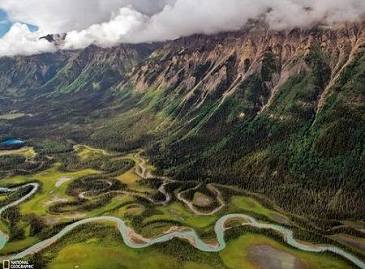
(128, 234)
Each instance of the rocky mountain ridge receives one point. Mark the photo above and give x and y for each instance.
(276, 112)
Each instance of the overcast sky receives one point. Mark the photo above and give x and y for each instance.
(110, 22)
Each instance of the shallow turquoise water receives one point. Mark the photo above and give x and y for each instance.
(13, 142)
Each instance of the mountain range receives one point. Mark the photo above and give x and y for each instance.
(280, 113)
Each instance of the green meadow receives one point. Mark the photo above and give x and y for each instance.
(113, 193)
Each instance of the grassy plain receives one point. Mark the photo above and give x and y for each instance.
(235, 256)
(85, 248)
(27, 152)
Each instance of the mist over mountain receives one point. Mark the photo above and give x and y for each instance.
(109, 23)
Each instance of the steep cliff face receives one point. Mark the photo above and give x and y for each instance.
(203, 68)
(277, 112)
(270, 110)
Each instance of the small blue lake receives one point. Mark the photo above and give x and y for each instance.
(11, 143)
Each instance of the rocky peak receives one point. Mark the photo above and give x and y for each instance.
(214, 67)
(56, 39)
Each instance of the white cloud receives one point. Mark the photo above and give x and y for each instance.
(109, 22)
(108, 33)
(185, 17)
(56, 16)
(20, 41)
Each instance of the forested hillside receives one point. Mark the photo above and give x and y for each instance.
(277, 113)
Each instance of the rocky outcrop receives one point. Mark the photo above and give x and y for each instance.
(201, 66)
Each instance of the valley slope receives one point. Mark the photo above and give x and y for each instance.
(276, 113)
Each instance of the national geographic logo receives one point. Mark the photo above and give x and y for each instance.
(17, 265)
(6, 264)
